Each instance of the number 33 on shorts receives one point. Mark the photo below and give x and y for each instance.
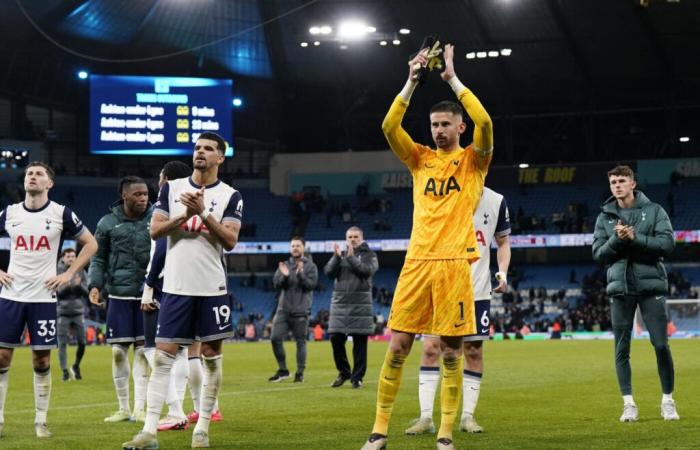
(46, 327)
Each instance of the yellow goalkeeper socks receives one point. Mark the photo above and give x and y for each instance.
(389, 383)
(450, 393)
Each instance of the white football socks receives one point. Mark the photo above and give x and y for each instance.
(210, 391)
(178, 381)
(4, 379)
(628, 400)
(428, 380)
(120, 375)
(42, 393)
(140, 375)
(666, 398)
(150, 354)
(157, 389)
(471, 387)
(195, 380)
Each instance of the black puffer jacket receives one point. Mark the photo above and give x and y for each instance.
(351, 304)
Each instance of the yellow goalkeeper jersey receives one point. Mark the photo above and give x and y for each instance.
(447, 187)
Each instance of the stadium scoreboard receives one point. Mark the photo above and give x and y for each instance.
(156, 116)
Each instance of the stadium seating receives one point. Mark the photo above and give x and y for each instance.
(542, 201)
(90, 204)
(256, 300)
(552, 277)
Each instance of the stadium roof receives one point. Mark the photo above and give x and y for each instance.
(568, 57)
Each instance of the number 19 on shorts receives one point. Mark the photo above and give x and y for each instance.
(223, 316)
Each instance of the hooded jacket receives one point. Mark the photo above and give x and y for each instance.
(119, 266)
(351, 303)
(296, 289)
(634, 267)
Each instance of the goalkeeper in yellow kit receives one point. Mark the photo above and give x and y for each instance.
(434, 291)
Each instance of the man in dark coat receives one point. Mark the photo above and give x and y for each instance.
(70, 309)
(632, 237)
(296, 279)
(351, 305)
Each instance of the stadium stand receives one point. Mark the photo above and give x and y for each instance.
(389, 215)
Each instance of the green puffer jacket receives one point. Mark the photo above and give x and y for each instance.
(119, 266)
(639, 261)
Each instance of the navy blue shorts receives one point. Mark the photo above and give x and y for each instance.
(482, 311)
(150, 325)
(183, 319)
(39, 318)
(124, 321)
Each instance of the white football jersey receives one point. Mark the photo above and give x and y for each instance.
(194, 262)
(36, 236)
(491, 219)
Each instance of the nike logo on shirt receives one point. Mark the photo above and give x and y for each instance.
(224, 326)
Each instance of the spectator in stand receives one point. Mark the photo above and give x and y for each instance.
(556, 330)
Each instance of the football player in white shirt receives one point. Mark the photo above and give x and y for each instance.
(28, 289)
(201, 216)
(150, 301)
(491, 221)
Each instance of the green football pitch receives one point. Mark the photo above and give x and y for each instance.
(551, 394)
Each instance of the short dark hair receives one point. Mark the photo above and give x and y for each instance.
(49, 170)
(448, 106)
(220, 142)
(298, 238)
(621, 171)
(174, 170)
(67, 250)
(128, 181)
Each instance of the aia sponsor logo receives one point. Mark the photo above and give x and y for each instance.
(443, 188)
(32, 243)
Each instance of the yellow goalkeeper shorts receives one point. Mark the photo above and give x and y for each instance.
(434, 297)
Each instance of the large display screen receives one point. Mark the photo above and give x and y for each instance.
(135, 115)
